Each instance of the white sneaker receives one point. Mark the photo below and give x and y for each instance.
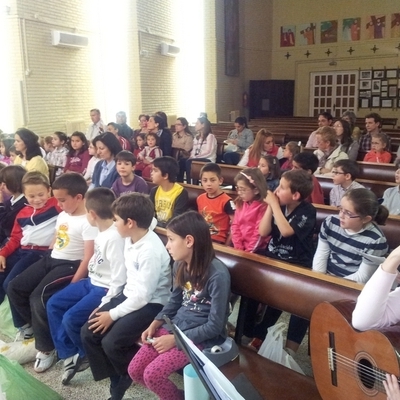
(24, 334)
(44, 361)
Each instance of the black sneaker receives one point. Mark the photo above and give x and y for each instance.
(71, 366)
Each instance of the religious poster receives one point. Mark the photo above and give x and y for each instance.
(329, 31)
(351, 29)
(375, 27)
(288, 35)
(395, 26)
(306, 35)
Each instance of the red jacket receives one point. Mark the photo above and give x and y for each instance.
(33, 227)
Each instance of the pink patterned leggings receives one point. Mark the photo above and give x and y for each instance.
(152, 369)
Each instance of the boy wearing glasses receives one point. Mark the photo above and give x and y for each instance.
(345, 173)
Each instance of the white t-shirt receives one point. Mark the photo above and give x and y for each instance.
(107, 265)
(71, 233)
(148, 275)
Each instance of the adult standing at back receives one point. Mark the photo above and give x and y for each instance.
(373, 124)
(324, 119)
(157, 124)
(30, 156)
(126, 131)
(239, 139)
(97, 126)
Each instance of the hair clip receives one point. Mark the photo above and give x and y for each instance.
(251, 180)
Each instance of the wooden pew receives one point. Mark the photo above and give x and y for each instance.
(291, 288)
(377, 171)
(378, 187)
(228, 171)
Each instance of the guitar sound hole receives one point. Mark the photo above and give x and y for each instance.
(364, 369)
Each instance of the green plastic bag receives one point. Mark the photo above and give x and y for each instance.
(6, 324)
(17, 384)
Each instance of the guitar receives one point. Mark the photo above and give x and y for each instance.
(349, 364)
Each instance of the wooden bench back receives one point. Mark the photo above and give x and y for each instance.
(378, 187)
(285, 286)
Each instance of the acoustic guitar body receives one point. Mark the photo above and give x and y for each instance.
(349, 364)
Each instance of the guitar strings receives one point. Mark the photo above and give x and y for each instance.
(367, 381)
(371, 375)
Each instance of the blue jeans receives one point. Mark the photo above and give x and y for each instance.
(16, 263)
(68, 310)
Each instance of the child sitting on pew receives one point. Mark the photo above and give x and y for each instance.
(271, 170)
(109, 336)
(33, 228)
(391, 196)
(291, 150)
(309, 162)
(11, 181)
(290, 220)
(346, 240)
(345, 173)
(250, 208)
(69, 309)
(198, 305)
(169, 197)
(215, 205)
(379, 146)
(73, 245)
(128, 181)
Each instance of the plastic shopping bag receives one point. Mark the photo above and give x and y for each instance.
(6, 324)
(17, 384)
(272, 348)
(22, 352)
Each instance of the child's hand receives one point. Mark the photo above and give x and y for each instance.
(93, 313)
(164, 343)
(392, 387)
(101, 322)
(149, 332)
(271, 199)
(2, 263)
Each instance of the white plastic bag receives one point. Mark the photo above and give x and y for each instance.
(272, 348)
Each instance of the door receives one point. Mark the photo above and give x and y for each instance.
(335, 92)
(271, 98)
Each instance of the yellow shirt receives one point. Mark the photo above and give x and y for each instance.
(164, 202)
(36, 163)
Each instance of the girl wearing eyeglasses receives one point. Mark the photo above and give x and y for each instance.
(348, 240)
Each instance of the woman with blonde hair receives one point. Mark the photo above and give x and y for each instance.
(263, 144)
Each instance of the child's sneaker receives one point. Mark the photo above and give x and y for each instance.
(71, 367)
(24, 333)
(44, 361)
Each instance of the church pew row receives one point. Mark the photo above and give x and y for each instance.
(288, 287)
(378, 187)
(390, 229)
(368, 171)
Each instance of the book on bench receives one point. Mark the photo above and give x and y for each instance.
(217, 385)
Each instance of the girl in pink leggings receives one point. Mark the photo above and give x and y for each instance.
(199, 306)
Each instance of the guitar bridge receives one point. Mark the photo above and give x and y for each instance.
(330, 359)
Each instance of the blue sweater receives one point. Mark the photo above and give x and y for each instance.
(110, 178)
